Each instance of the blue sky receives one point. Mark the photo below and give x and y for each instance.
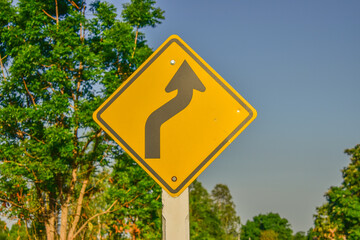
(298, 64)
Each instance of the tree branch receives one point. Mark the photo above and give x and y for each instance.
(22, 132)
(97, 134)
(57, 14)
(14, 204)
(136, 37)
(48, 15)
(91, 218)
(22, 165)
(79, 204)
(2, 67)
(76, 96)
(74, 4)
(51, 86)
(31, 96)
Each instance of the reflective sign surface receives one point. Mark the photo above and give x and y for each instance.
(174, 115)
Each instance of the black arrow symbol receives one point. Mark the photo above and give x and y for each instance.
(185, 81)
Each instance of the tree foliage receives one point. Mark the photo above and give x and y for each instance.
(204, 219)
(339, 217)
(3, 230)
(269, 235)
(261, 225)
(17, 231)
(300, 236)
(212, 216)
(142, 13)
(140, 211)
(230, 222)
(59, 60)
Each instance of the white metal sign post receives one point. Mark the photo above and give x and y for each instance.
(175, 216)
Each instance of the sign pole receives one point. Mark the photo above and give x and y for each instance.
(175, 216)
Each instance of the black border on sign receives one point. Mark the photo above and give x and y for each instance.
(212, 153)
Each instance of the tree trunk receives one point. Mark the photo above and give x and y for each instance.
(78, 208)
(50, 228)
(63, 221)
(50, 223)
(65, 206)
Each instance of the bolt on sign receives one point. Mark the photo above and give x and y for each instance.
(174, 115)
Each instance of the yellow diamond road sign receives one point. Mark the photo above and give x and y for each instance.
(174, 115)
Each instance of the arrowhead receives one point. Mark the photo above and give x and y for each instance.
(185, 79)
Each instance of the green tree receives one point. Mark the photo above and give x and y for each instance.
(230, 222)
(204, 218)
(300, 236)
(140, 212)
(57, 66)
(141, 13)
(339, 217)
(269, 235)
(3, 230)
(263, 222)
(310, 234)
(17, 232)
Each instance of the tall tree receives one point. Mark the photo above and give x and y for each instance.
(204, 218)
(261, 225)
(339, 217)
(300, 236)
(57, 66)
(230, 222)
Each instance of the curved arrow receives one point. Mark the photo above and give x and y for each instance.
(185, 81)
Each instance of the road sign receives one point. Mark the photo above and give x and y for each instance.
(174, 115)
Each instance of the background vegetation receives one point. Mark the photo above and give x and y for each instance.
(62, 177)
